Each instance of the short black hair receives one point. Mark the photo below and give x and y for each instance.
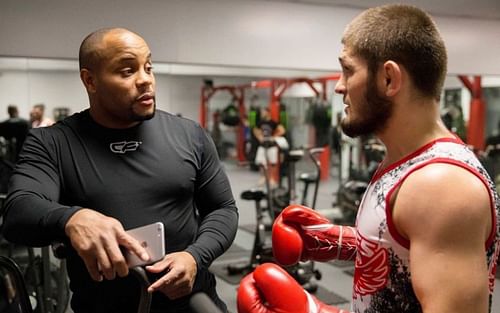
(406, 35)
(12, 110)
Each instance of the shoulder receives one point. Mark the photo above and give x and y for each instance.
(178, 125)
(442, 198)
(173, 121)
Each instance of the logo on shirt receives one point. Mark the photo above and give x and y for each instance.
(371, 267)
(124, 146)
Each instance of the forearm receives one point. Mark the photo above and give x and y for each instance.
(215, 235)
(34, 221)
(33, 215)
(216, 208)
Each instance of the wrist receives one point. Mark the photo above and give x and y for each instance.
(68, 224)
(195, 257)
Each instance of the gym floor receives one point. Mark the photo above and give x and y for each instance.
(335, 277)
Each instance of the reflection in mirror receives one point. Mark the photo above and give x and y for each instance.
(56, 84)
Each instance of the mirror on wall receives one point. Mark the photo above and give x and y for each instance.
(55, 83)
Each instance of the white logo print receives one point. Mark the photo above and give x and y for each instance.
(124, 146)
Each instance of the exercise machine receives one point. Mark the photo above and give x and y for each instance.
(276, 199)
(14, 290)
(261, 250)
(45, 277)
(350, 192)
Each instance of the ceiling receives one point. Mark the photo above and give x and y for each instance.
(483, 9)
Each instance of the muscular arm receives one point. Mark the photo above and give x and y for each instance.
(217, 227)
(216, 206)
(445, 213)
(33, 215)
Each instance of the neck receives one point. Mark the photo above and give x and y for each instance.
(105, 120)
(412, 125)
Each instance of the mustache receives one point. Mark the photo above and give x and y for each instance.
(145, 96)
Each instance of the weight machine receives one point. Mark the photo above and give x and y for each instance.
(277, 88)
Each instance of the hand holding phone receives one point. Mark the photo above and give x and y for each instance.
(152, 238)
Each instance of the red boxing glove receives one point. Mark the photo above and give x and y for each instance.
(300, 233)
(270, 289)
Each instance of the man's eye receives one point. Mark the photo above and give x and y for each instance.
(149, 68)
(127, 71)
(346, 70)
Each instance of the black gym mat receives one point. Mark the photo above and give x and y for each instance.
(220, 271)
(234, 255)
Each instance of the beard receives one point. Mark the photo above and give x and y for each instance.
(142, 116)
(371, 114)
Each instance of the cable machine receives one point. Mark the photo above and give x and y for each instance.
(238, 93)
(277, 88)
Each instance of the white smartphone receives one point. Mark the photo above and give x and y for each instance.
(152, 238)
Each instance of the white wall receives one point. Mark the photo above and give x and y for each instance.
(14, 90)
(223, 32)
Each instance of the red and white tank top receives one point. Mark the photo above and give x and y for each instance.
(382, 280)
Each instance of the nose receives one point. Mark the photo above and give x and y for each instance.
(340, 85)
(145, 78)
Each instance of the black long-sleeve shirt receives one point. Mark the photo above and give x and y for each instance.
(164, 169)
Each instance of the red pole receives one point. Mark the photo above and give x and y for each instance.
(475, 127)
(203, 109)
(274, 104)
(274, 110)
(240, 141)
(323, 91)
(324, 159)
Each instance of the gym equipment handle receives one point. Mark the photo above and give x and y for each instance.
(145, 300)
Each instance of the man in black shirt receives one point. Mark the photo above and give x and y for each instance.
(119, 165)
(14, 130)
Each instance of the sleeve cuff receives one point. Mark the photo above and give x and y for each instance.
(197, 258)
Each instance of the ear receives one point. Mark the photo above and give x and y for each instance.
(88, 80)
(392, 78)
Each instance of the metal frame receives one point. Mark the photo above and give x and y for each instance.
(277, 88)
